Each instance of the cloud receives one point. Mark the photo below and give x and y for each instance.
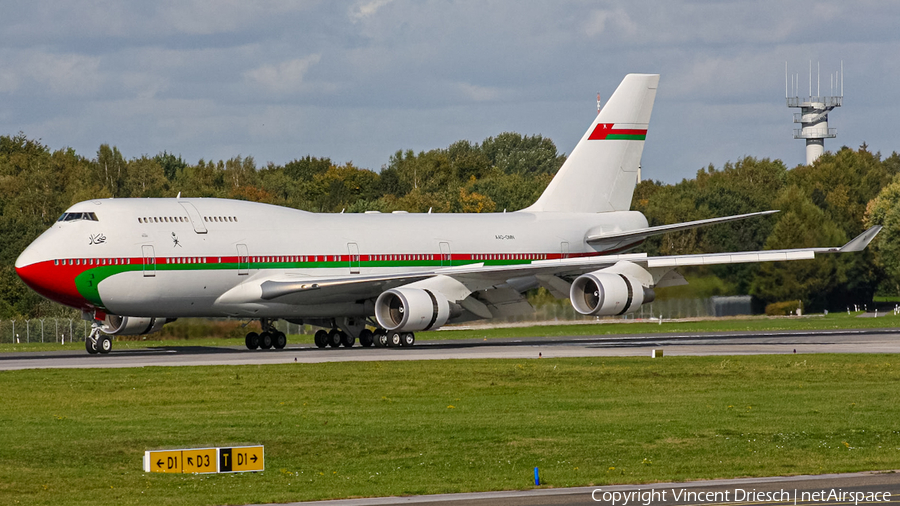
(479, 93)
(206, 17)
(282, 78)
(286, 77)
(367, 9)
(599, 21)
(62, 74)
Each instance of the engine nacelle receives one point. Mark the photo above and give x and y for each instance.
(411, 309)
(132, 325)
(602, 293)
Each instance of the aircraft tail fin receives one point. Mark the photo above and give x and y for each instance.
(601, 172)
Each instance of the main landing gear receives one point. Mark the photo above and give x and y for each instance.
(97, 341)
(336, 338)
(380, 338)
(344, 333)
(269, 338)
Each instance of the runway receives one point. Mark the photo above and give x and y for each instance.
(675, 344)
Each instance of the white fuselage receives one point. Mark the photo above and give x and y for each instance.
(178, 257)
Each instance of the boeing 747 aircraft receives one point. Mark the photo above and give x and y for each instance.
(132, 265)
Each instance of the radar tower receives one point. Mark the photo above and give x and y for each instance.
(813, 115)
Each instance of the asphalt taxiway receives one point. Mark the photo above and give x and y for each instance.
(819, 490)
(672, 344)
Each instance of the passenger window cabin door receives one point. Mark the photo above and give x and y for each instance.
(243, 260)
(446, 256)
(149, 261)
(353, 250)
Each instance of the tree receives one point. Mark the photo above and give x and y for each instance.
(842, 184)
(111, 169)
(746, 186)
(802, 225)
(472, 202)
(171, 165)
(145, 178)
(514, 153)
(468, 161)
(511, 191)
(240, 172)
(205, 179)
(303, 169)
(822, 204)
(283, 189)
(884, 210)
(340, 187)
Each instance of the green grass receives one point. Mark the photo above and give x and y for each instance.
(832, 321)
(381, 428)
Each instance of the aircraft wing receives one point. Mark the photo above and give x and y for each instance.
(614, 240)
(347, 287)
(478, 276)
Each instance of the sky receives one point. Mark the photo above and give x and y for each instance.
(356, 81)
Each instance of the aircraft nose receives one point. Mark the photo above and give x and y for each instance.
(29, 269)
(27, 257)
(45, 277)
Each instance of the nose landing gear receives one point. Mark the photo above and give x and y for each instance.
(97, 341)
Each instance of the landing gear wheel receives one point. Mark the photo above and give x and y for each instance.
(407, 339)
(279, 340)
(366, 338)
(381, 339)
(265, 340)
(347, 340)
(321, 338)
(104, 344)
(334, 338)
(252, 341)
(91, 345)
(394, 339)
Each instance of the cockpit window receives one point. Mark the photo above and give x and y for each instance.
(78, 216)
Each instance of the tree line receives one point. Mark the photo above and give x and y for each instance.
(821, 205)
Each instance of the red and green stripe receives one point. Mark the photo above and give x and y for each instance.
(608, 131)
(75, 281)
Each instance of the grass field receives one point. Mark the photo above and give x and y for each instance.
(382, 428)
(606, 327)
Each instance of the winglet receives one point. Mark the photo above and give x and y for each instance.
(860, 242)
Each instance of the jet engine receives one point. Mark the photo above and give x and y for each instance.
(411, 309)
(602, 293)
(132, 325)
